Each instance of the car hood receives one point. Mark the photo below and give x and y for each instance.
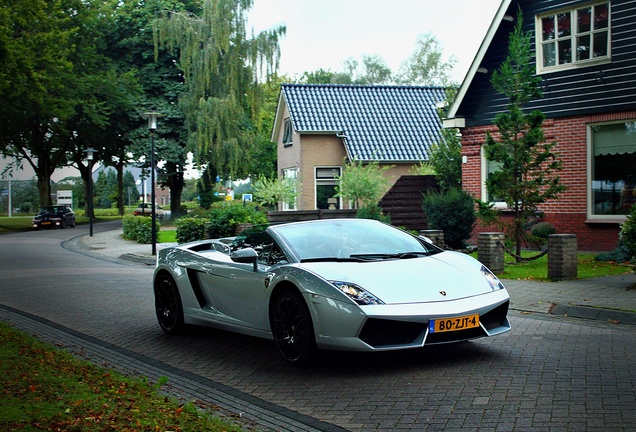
(441, 277)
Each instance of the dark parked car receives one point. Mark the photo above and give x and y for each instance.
(54, 216)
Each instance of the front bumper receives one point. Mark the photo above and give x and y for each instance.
(393, 327)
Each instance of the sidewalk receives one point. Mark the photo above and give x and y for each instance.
(608, 298)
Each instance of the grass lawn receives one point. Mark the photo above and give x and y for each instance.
(55, 391)
(15, 223)
(167, 236)
(538, 269)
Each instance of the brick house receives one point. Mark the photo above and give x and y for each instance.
(584, 52)
(318, 127)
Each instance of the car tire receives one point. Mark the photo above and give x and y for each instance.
(293, 329)
(168, 305)
(73, 223)
(62, 224)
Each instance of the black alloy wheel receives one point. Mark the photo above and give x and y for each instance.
(168, 305)
(292, 329)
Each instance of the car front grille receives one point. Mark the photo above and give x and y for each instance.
(496, 317)
(381, 333)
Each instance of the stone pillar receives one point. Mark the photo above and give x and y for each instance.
(562, 257)
(490, 251)
(436, 236)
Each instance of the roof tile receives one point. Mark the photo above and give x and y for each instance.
(387, 123)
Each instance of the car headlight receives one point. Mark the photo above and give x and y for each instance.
(357, 293)
(493, 280)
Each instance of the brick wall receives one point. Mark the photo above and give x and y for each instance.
(568, 213)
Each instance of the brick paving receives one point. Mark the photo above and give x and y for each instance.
(552, 372)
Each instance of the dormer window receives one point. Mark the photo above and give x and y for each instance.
(288, 137)
(573, 38)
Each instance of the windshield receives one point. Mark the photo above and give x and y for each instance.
(351, 238)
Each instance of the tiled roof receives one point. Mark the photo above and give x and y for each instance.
(383, 123)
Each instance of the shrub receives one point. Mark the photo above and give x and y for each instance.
(539, 233)
(620, 254)
(542, 230)
(628, 232)
(626, 248)
(226, 215)
(190, 229)
(139, 229)
(453, 212)
(372, 212)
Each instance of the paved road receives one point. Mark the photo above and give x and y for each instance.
(549, 374)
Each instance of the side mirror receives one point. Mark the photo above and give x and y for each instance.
(245, 256)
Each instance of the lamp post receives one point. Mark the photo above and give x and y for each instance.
(90, 156)
(152, 127)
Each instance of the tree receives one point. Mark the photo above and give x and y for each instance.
(57, 86)
(527, 176)
(221, 67)
(131, 193)
(373, 70)
(105, 190)
(270, 192)
(425, 66)
(319, 76)
(445, 157)
(363, 184)
(131, 46)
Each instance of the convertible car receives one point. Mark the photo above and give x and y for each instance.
(343, 284)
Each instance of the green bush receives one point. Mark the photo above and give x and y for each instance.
(190, 229)
(620, 254)
(225, 216)
(539, 233)
(453, 212)
(139, 229)
(628, 232)
(542, 230)
(373, 212)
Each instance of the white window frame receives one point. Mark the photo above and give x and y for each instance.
(591, 216)
(333, 181)
(572, 38)
(291, 173)
(501, 205)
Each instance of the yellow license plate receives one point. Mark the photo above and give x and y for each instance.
(453, 324)
(46, 223)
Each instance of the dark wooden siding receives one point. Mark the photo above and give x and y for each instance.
(582, 91)
(403, 202)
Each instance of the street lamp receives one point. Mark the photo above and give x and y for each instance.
(152, 127)
(90, 156)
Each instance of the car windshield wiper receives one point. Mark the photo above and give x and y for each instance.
(401, 255)
(335, 259)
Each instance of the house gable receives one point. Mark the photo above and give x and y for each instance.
(584, 89)
(589, 101)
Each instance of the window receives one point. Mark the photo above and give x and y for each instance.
(487, 168)
(269, 253)
(288, 137)
(290, 174)
(612, 185)
(573, 38)
(326, 181)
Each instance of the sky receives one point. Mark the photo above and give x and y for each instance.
(324, 33)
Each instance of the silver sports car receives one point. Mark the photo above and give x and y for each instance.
(344, 284)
